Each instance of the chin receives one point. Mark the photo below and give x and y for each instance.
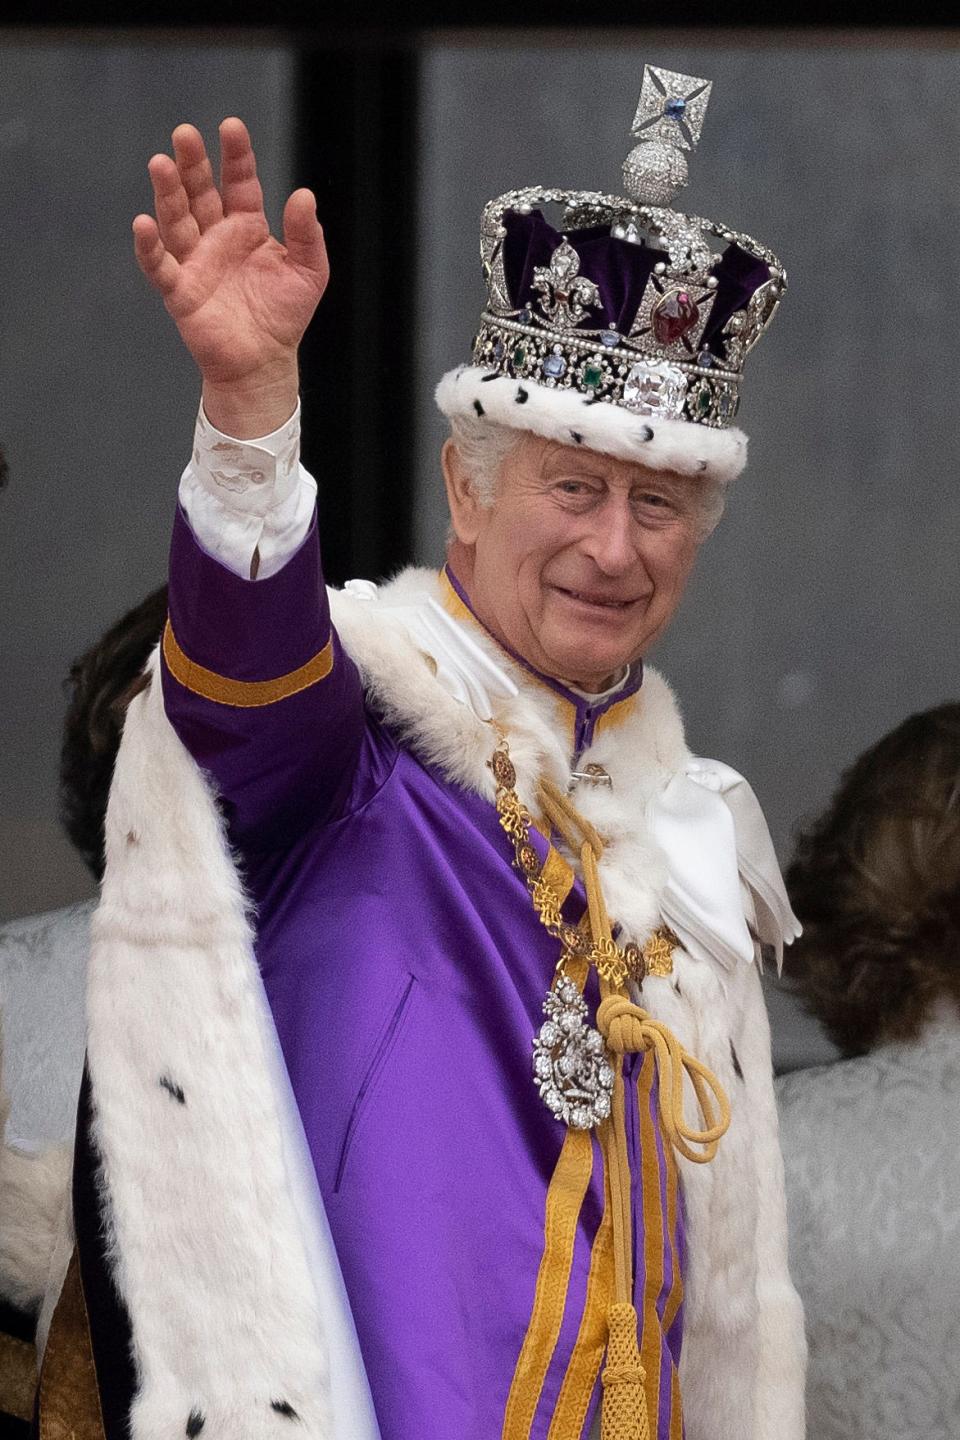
(569, 664)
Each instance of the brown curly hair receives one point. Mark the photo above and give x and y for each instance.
(876, 885)
(101, 684)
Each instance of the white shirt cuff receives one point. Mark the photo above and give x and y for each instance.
(247, 498)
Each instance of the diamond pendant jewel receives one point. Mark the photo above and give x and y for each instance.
(570, 1067)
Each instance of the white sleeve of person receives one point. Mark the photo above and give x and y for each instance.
(248, 502)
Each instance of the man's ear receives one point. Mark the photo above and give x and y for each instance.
(461, 496)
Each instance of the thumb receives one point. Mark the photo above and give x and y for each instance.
(303, 235)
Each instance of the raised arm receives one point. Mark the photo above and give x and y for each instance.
(254, 680)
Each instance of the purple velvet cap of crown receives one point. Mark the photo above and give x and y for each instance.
(620, 269)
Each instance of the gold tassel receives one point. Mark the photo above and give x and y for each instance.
(624, 1411)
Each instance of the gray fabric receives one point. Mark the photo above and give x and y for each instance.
(873, 1195)
(797, 1038)
(43, 963)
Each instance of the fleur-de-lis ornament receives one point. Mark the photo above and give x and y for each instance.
(566, 293)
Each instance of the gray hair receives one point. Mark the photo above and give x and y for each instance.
(484, 446)
(711, 504)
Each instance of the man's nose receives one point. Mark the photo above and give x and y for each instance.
(611, 541)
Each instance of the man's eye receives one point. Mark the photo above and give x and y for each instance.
(574, 487)
(655, 500)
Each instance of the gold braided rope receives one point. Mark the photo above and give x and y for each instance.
(626, 1029)
(611, 961)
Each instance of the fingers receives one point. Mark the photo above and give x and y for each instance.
(178, 228)
(160, 267)
(303, 236)
(196, 176)
(239, 186)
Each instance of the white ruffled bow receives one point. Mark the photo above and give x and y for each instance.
(709, 825)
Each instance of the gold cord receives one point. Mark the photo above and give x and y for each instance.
(626, 1029)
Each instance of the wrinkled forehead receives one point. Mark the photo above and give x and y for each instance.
(535, 455)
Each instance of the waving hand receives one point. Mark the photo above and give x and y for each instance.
(241, 300)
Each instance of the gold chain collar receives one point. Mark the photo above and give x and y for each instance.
(614, 963)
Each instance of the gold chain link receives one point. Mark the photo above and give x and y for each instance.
(614, 963)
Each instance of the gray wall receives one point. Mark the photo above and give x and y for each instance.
(96, 399)
(826, 607)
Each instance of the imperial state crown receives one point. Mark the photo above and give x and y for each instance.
(625, 328)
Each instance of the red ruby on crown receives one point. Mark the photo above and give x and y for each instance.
(673, 315)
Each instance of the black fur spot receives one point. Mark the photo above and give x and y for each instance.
(593, 400)
(736, 1061)
(479, 408)
(701, 464)
(283, 1407)
(522, 396)
(494, 375)
(577, 437)
(195, 1423)
(173, 1089)
(646, 433)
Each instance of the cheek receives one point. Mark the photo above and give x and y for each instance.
(514, 554)
(670, 564)
(537, 541)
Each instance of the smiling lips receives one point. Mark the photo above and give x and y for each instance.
(600, 602)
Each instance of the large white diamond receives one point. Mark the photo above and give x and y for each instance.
(655, 390)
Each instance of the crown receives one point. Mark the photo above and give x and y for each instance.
(629, 312)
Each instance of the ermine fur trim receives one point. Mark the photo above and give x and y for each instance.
(680, 446)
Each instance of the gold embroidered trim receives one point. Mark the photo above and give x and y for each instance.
(658, 951)
(573, 1401)
(651, 1335)
(242, 694)
(18, 1377)
(69, 1394)
(675, 1297)
(564, 1199)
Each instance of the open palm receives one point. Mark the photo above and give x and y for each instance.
(240, 299)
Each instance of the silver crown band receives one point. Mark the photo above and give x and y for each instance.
(643, 385)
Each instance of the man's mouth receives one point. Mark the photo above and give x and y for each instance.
(589, 597)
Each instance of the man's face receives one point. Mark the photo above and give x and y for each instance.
(581, 561)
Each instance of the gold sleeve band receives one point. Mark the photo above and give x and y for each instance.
(244, 694)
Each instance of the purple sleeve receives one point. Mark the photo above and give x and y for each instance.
(259, 690)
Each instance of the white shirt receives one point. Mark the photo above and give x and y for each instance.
(248, 502)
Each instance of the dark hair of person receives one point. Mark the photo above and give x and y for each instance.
(101, 684)
(876, 886)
